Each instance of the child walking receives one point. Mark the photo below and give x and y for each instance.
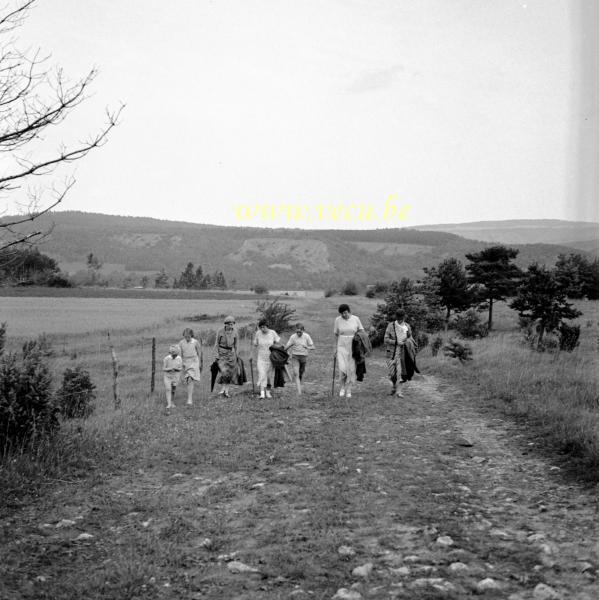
(171, 366)
(298, 346)
(193, 361)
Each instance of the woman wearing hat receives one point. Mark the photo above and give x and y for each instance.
(225, 353)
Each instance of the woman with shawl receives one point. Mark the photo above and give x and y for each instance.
(225, 353)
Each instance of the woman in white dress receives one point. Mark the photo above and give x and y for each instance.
(264, 338)
(346, 326)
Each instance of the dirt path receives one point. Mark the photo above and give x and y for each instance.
(426, 496)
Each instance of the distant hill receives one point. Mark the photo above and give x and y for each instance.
(540, 231)
(280, 258)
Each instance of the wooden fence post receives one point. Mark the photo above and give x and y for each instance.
(115, 374)
(153, 365)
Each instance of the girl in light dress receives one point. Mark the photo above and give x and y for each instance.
(171, 367)
(346, 326)
(193, 361)
(264, 338)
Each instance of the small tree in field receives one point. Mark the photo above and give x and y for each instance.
(422, 312)
(76, 394)
(449, 282)
(542, 298)
(27, 408)
(278, 315)
(492, 269)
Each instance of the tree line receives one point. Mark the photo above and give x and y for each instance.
(539, 294)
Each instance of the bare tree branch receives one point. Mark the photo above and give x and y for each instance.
(32, 99)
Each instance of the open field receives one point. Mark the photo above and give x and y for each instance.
(68, 316)
(137, 293)
(437, 495)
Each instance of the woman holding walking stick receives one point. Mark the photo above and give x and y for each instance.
(346, 326)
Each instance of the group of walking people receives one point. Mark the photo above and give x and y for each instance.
(277, 362)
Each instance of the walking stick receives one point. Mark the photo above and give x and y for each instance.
(333, 383)
(252, 372)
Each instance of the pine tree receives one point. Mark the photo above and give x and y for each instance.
(187, 280)
(492, 270)
(199, 277)
(541, 297)
(449, 282)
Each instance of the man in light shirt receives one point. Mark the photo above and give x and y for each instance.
(298, 346)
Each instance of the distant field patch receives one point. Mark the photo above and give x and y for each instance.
(147, 294)
(390, 249)
(30, 316)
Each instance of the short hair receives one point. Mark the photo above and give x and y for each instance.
(343, 308)
(189, 331)
(400, 313)
(262, 322)
(229, 319)
(299, 326)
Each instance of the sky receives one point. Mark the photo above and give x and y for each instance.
(330, 113)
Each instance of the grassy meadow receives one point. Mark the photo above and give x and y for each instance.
(554, 394)
(172, 501)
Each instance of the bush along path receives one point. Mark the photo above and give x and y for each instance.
(421, 497)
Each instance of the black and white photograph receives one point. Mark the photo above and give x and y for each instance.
(299, 299)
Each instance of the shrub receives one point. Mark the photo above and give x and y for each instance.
(421, 340)
(568, 337)
(330, 292)
(260, 288)
(2, 337)
(468, 324)
(76, 394)
(58, 280)
(436, 345)
(27, 408)
(370, 293)
(455, 349)
(278, 315)
(350, 288)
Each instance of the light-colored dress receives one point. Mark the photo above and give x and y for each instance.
(190, 355)
(263, 341)
(226, 353)
(345, 329)
(172, 370)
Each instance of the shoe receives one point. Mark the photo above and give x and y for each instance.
(222, 393)
(342, 392)
(392, 392)
(226, 394)
(189, 403)
(262, 395)
(348, 395)
(268, 394)
(399, 395)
